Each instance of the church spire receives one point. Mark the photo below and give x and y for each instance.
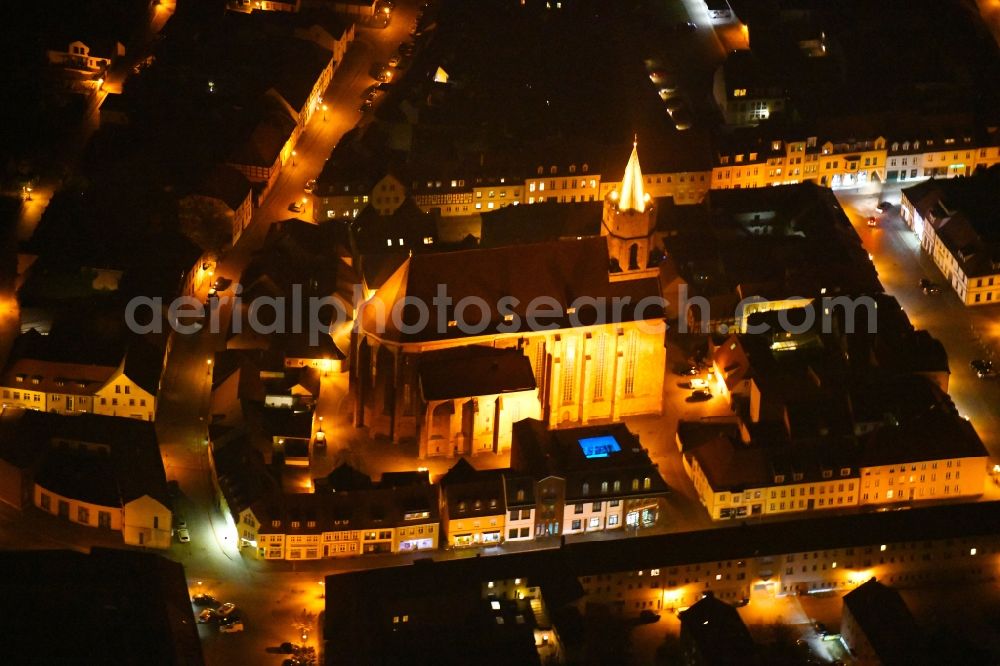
(632, 196)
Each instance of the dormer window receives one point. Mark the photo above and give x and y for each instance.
(797, 476)
(275, 523)
(520, 495)
(845, 471)
(552, 170)
(779, 478)
(540, 171)
(493, 504)
(461, 507)
(827, 473)
(296, 524)
(311, 523)
(572, 168)
(586, 488)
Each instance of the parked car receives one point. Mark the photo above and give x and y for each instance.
(648, 617)
(228, 626)
(221, 284)
(394, 61)
(204, 600)
(295, 207)
(699, 395)
(872, 221)
(699, 383)
(183, 535)
(310, 186)
(686, 370)
(226, 609)
(682, 118)
(883, 206)
(208, 615)
(981, 364)
(671, 104)
(366, 106)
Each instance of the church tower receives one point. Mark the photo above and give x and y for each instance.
(628, 224)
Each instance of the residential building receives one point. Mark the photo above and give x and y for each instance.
(359, 8)
(91, 470)
(713, 634)
(124, 384)
(954, 220)
(62, 586)
(588, 479)
(745, 91)
(493, 609)
(947, 544)
(878, 628)
(827, 421)
(226, 187)
(472, 506)
(583, 369)
(346, 516)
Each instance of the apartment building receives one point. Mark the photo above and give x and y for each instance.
(954, 221)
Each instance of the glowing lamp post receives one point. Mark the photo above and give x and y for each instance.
(293, 157)
(324, 113)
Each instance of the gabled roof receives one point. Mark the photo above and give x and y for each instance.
(887, 624)
(127, 467)
(474, 370)
(560, 270)
(718, 633)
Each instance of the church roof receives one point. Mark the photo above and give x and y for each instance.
(549, 277)
(632, 196)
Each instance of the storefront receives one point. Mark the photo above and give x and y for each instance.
(415, 544)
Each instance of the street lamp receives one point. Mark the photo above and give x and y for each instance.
(324, 113)
(293, 157)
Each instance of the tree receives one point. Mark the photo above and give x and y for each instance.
(206, 221)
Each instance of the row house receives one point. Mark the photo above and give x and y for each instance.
(338, 520)
(668, 573)
(935, 456)
(589, 479)
(89, 470)
(953, 221)
(127, 388)
(859, 548)
(749, 160)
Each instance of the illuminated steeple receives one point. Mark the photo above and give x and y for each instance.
(632, 196)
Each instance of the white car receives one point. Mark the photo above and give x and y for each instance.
(183, 535)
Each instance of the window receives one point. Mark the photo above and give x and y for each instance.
(512, 534)
(575, 525)
(82, 515)
(514, 514)
(646, 483)
(612, 520)
(595, 522)
(569, 371)
(46, 502)
(586, 488)
(596, 506)
(578, 508)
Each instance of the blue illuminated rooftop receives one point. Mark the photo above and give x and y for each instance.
(599, 447)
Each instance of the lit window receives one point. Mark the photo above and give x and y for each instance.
(882, 548)
(972, 551)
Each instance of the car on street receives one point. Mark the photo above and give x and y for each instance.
(226, 609)
(699, 395)
(296, 207)
(310, 186)
(883, 206)
(230, 626)
(221, 284)
(183, 535)
(407, 48)
(982, 367)
(685, 370)
(394, 61)
(369, 90)
(648, 617)
(699, 383)
(671, 104)
(682, 118)
(208, 615)
(872, 221)
(204, 600)
(366, 106)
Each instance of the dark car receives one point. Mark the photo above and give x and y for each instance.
(366, 106)
(883, 206)
(980, 364)
(204, 600)
(686, 370)
(648, 617)
(699, 395)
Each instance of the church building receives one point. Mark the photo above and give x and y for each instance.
(456, 347)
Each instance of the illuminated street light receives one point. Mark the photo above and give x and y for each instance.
(293, 157)
(324, 113)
